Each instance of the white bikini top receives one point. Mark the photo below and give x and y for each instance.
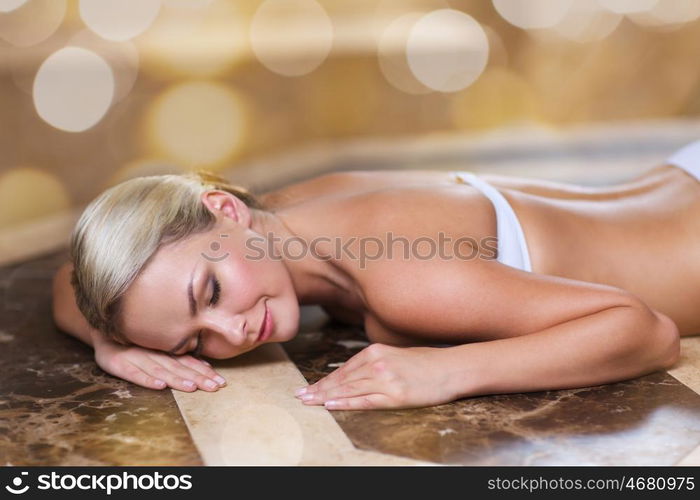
(512, 247)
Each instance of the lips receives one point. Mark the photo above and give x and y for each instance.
(266, 325)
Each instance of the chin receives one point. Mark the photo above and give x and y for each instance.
(286, 336)
(222, 356)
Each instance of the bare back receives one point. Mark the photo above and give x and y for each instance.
(642, 236)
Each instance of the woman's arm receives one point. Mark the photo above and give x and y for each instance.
(539, 333)
(65, 310)
(618, 343)
(612, 345)
(145, 367)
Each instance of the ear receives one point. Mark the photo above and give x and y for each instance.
(225, 204)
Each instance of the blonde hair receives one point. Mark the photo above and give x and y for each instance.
(121, 229)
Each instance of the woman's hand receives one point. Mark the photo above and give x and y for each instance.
(382, 376)
(156, 369)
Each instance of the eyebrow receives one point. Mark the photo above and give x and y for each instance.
(193, 312)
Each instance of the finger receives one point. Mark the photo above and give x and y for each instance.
(201, 367)
(366, 402)
(349, 371)
(346, 390)
(189, 375)
(170, 371)
(335, 380)
(136, 375)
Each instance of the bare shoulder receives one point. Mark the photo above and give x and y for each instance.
(350, 182)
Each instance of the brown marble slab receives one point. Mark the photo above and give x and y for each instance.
(652, 420)
(57, 407)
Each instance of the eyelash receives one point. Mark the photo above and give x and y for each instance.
(216, 293)
(214, 299)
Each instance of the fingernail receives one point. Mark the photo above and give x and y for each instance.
(159, 382)
(300, 391)
(331, 403)
(189, 384)
(220, 380)
(210, 384)
(307, 397)
(205, 362)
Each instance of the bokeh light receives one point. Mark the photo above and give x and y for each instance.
(385, 12)
(22, 63)
(533, 14)
(668, 13)
(391, 54)
(122, 57)
(10, 5)
(27, 193)
(628, 6)
(291, 37)
(587, 21)
(33, 23)
(202, 40)
(119, 20)
(447, 50)
(73, 89)
(198, 123)
(187, 4)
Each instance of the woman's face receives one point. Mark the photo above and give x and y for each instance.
(209, 292)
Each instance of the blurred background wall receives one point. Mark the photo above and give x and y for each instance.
(96, 91)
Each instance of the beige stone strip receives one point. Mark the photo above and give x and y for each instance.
(687, 371)
(692, 458)
(256, 420)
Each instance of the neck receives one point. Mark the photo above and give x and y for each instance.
(316, 280)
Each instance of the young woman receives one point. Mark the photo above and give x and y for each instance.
(465, 285)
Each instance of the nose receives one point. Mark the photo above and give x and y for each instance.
(233, 328)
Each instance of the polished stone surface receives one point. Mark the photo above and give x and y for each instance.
(652, 420)
(57, 407)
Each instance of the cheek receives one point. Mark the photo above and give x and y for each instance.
(290, 324)
(269, 277)
(257, 267)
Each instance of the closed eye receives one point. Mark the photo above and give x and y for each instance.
(216, 292)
